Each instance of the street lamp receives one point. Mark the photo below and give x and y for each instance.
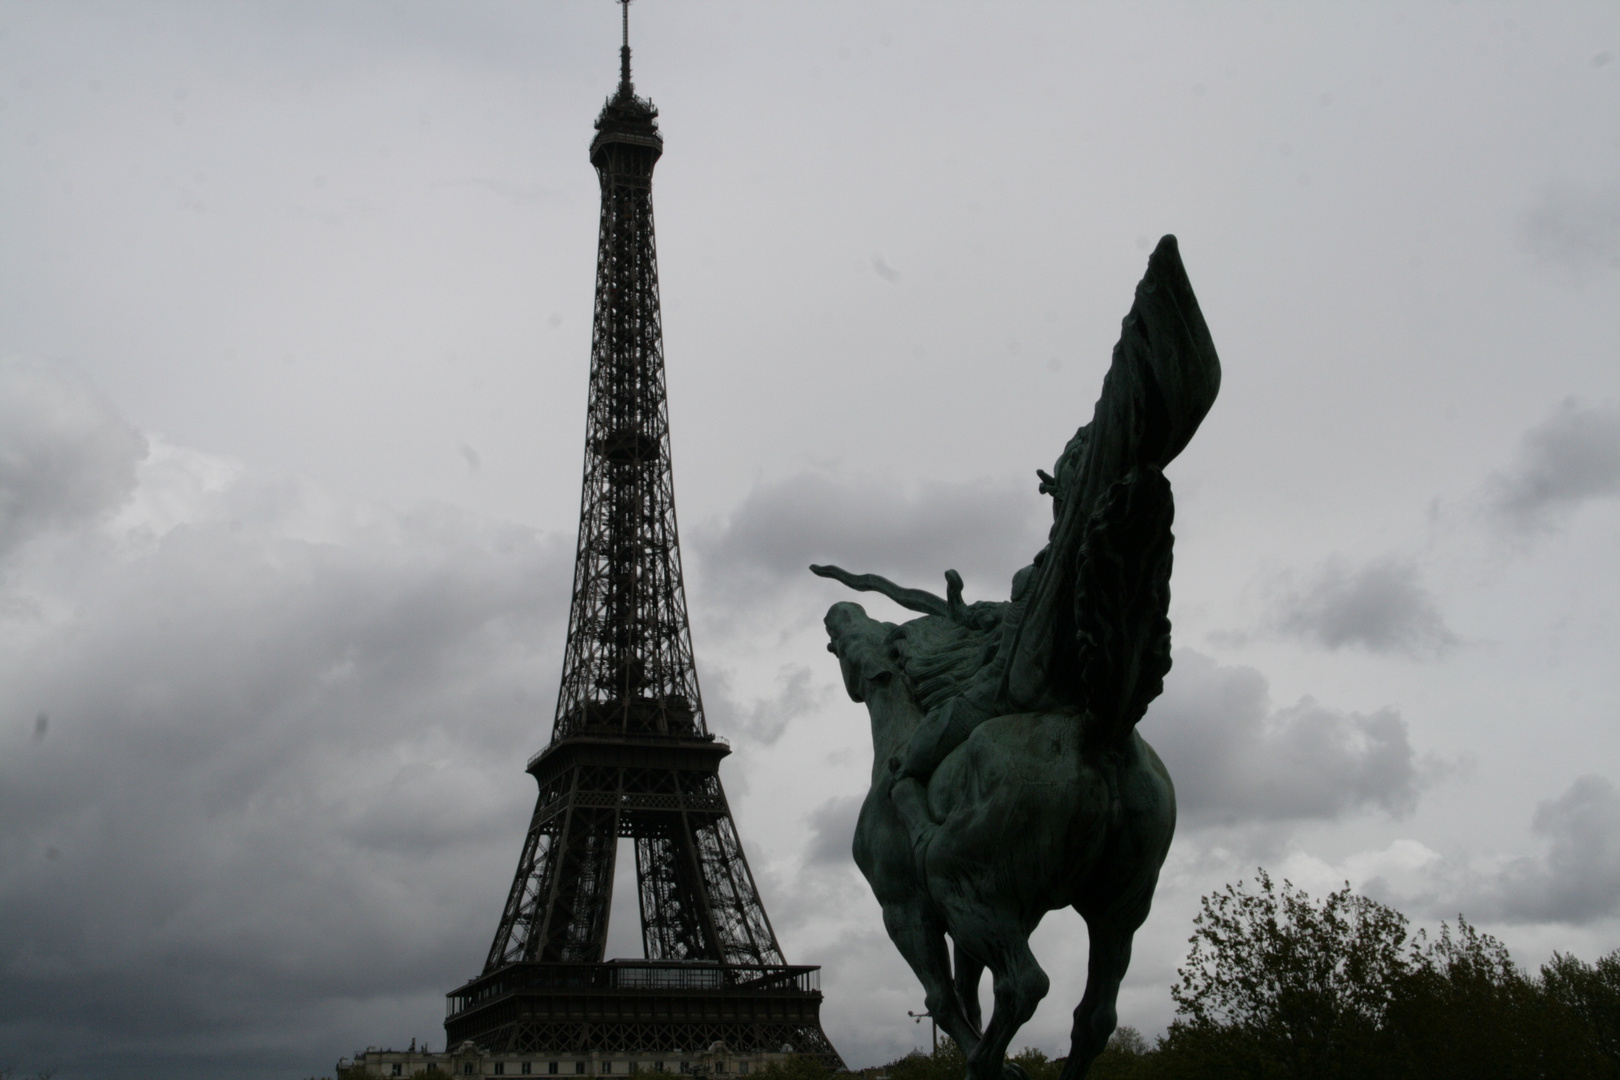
(932, 1023)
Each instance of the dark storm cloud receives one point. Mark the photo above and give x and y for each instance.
(983, 528)
(65, 455)
(1577, 880)
(1236, 759)
(1575, 230)
(1569, 458)
(269, 762)
(1381, 607)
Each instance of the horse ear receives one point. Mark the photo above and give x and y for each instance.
(874, 672)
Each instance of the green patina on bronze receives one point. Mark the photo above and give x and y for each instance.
(1008, 779)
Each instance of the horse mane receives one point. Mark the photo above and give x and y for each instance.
(938, 656)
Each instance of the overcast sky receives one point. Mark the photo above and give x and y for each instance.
(295, 308)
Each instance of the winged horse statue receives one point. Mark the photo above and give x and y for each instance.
(1008, 778)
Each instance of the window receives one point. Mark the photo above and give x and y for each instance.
(466, 1070)
(658, 1066)
(552, 1069)
(607, 1067)
(525, 1069)
(399, 1070)
(719, 1066)
(579, 1068)
(742, 1067)
(500, 1068)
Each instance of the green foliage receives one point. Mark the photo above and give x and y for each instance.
(1278, 985)
(1036, 1064)
(1592, 992)
(797, 1067)
(1126, 1057)
(949, 1063)
(946, 1063)
(1464, 1009)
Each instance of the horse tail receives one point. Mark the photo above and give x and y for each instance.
(1121, 606)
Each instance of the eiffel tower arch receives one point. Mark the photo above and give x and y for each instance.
(631, 755)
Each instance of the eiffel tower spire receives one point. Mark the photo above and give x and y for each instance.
(630, 753)
(626, 87)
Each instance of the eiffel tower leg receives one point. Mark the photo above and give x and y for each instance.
(576, 921)
(532, 884)
(558, 906)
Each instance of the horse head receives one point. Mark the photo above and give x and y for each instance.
(861, 644)
(870, 659)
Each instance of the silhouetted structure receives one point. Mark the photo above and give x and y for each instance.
(630, 755)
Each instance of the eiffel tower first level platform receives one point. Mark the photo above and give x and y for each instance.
(719, 976)
(640, 1007)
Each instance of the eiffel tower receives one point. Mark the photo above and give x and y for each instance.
(630, 754)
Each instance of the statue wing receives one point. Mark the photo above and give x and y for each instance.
(1163, 379)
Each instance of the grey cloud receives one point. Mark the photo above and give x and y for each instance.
(1380, 606)
(983, 528)
(507, 189)
(1574, 880)
(1575, 230)
(1236, 759)
(65, 455)
(1569, 458)
(1578, 879)
(273, 764)
(763, 720)
(832, 830)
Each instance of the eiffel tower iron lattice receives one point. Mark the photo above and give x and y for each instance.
(630, 754)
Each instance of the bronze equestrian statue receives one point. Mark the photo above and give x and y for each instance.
(1008, 779)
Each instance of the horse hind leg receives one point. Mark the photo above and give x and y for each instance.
(1095, 1017)
(969, 969)
(1019, 984)
(919, 934)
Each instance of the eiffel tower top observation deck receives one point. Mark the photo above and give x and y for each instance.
(630, 754)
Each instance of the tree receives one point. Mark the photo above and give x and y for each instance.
(1591, 991)
(949, 1063)
(1126, 1057)
(1466, 1010)
(797, 1067)
(1277, 985)
(946, 1063)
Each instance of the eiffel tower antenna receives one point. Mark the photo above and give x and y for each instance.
(625, 85)
(631, 755)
